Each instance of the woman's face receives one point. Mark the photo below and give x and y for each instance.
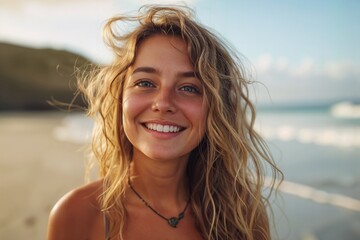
(164, 111)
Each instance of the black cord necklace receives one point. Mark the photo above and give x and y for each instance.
(173, 221)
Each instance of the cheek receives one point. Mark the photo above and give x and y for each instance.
(129, 112)
(197, 114)
(132, 105)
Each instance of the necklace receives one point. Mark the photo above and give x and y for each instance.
(173, 221)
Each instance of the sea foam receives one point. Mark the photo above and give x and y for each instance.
(345, 110)
(75, 128)
(328, 136)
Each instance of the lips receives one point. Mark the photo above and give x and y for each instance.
(164, 128)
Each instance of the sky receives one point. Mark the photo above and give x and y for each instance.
(299, 51)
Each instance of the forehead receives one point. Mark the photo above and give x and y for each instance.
(162, 50)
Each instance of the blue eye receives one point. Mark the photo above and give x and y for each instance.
(190, 89)
(144, 84)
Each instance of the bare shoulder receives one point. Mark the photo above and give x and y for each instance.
(76, 214)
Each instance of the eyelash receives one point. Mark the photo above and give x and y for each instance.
(142, 83)
(149, 84)
(190, 89)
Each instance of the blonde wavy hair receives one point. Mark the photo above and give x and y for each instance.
(226, 170)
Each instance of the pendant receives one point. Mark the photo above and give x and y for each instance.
(173, 222)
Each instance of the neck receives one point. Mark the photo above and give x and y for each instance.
(163, 184)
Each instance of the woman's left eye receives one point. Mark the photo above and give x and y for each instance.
(144, 84)
(190, 89)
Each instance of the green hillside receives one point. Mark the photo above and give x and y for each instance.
(30, 77)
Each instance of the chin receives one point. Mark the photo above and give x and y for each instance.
(164, 156)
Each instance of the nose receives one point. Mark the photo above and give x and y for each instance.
(164, 101)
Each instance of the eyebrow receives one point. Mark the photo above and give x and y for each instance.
(145, 70)
(188, 74)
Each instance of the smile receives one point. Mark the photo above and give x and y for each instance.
(163, 128)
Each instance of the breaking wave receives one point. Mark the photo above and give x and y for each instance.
(345, 110)
(328, 136)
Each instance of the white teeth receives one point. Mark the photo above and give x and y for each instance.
(162, 128)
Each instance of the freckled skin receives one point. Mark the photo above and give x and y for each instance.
(159, 91)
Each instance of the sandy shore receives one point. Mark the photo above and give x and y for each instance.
(42, 158)
(36, 169)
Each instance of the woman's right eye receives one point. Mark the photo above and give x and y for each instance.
(144, 84)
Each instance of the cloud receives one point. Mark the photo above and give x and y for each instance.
(267, 65)
(305, 68)
(17, 5)
(264, 63)
(341, 69)
(281, 64)
(74, 10)
(307, 80)
(188, 2)
(71, 25)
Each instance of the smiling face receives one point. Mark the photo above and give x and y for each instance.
(164, 111)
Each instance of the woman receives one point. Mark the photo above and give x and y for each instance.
(178, 154)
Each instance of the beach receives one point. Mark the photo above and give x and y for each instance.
(42, 158)
(36, 169)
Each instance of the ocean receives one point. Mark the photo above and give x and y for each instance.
(318, 150)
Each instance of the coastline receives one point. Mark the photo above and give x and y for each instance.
(42, 157)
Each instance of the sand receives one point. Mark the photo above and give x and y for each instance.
(36, 169)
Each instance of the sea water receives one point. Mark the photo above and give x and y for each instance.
(318, 150)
